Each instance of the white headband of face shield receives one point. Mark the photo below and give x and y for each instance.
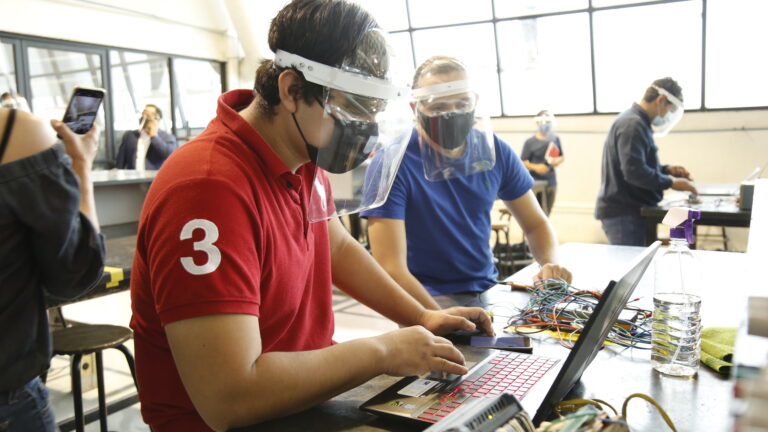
(670, 97)
(328, 76)
(545, 118)
(442, 89)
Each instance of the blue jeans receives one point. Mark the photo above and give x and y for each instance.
(625, 230)
(26, 409)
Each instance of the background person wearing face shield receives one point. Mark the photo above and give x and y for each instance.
(432, 235)
(542, 153)
(231, 283)
(149, 146)
(632, 176)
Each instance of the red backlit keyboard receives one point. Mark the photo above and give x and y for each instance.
(503, 372)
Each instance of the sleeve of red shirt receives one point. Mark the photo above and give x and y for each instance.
(203, 250)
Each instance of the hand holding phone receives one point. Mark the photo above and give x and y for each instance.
(82, 108)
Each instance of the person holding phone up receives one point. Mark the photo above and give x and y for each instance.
(50, 247)
(149, 146)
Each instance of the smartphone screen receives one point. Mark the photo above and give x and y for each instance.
(512, 343)
(82, 109)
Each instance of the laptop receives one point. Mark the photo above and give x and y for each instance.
(724, 189)
(539, 382)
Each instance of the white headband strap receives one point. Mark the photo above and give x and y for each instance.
(328, 76)
(669, 96)
(442, 89)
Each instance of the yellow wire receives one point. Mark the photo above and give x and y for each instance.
(652, 402)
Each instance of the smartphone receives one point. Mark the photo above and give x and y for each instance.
(511, 343)
(82, 108)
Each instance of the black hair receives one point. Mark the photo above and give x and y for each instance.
(438, 65)
(5, 95)
(326, 31)
(542, 112)
(667, 84)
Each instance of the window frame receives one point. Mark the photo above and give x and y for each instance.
(23, 81)
(590, 10)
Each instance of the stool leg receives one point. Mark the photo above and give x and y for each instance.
(77, 393)
(102, 396)
(129, 358)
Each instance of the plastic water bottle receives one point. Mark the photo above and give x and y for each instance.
(676, 334)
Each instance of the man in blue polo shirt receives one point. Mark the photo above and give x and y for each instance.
(432, 234)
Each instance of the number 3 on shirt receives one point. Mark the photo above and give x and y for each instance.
(205, 245)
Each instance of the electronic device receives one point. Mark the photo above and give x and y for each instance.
(491, 414)
(519, 343)
(539, 382)
(82, 108)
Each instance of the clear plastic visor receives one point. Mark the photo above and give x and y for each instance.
(454, 139)
(675, 113)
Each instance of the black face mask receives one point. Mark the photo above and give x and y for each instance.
(348, 147)
(448, 130)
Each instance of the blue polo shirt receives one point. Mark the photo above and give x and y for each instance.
(448, 223)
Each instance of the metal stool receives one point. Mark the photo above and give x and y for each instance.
(80, 340)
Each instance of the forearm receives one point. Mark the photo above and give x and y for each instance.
(87, 201)
(359, 275)
(282, 383)
(543, 243)
(412, 286)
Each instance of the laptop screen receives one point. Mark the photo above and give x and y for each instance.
(612, 302)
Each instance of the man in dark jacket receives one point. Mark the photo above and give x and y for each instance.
(632, 176)
(148, 140)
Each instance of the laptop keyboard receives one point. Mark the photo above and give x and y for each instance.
(504, 372)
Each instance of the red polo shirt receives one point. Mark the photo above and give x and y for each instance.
(224, 229)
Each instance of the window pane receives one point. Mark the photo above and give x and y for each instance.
(403, 62)
(474, 45)
(53, 73)
(513, 8)
(736, 63)
(545, 64)
(629, 57)
(7, 69)
(138, 79)
(425, 13)
(604, 3)
(199, 87)
(391, 15)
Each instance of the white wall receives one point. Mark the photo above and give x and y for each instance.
(717, 147)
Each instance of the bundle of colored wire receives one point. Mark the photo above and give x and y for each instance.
(558, 306)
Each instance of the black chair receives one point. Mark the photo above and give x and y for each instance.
(84, 339)
(507, 256)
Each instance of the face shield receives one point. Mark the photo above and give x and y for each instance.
(662, 125)
(454, 139)
(545, 123)
(365, 117)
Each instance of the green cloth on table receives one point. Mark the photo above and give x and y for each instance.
(717, 348)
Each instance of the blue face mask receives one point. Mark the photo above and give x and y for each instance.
(661, 121)
(545, 128)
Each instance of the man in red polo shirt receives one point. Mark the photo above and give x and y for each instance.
(231, 284)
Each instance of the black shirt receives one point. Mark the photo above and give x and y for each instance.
(47, 249)
(535, 151)
(632, 176)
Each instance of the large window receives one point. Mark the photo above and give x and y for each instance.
(737, 66)
(53, 73)
(542, 70)
(46, 71)
(590, 56)
(7, 69)
(629, 54)
(198, 85)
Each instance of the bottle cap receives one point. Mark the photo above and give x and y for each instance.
(677, 233)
